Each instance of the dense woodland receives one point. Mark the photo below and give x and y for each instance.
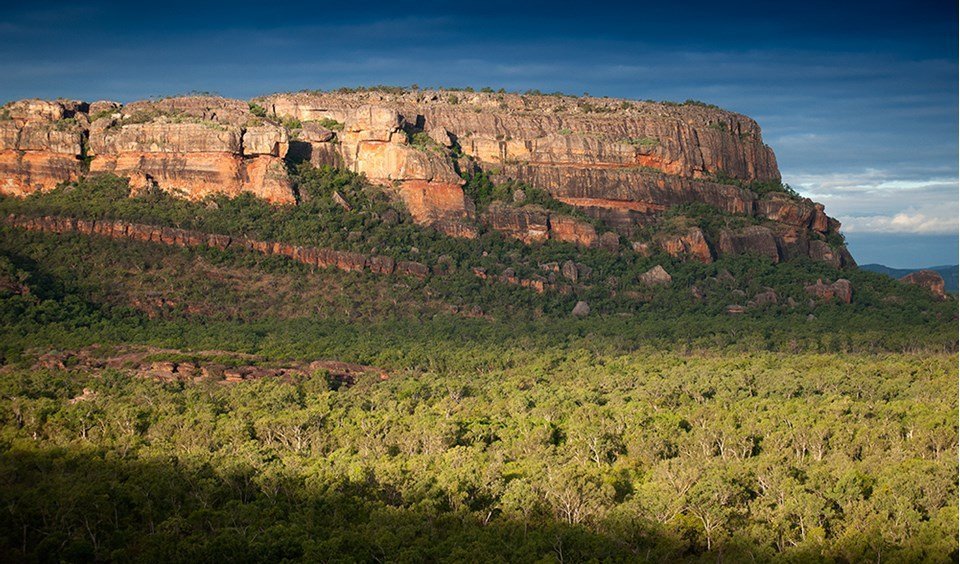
(653, 430)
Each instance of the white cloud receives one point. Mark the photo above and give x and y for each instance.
(904, 222)
(884, 201)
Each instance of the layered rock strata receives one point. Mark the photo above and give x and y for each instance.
(41, 145)
(623, 162)
(194, 147)
(190, 146)
(534, 224)
(620, 161)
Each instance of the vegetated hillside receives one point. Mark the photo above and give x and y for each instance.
(491, 274)
(219, 377)
(654, 429)
(949, 273)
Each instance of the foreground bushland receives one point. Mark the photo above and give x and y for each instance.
(653, 430)
(557, 453)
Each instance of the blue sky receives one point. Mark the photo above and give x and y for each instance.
(859, 101)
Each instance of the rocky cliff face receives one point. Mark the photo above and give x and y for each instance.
(41, 145)
(192, 146)
(623, 162)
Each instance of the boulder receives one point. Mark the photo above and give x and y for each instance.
(390, 217)
(754, 240)
(641, 248)
(610, 241)
(582, 309)
(571, 230)
(341, 201)
(767, 297)
(692, 244)
(656, 276)
(412, 268)
(842, 290)
(313, 132)
(440, 136)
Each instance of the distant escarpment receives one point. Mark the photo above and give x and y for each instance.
(689, 180)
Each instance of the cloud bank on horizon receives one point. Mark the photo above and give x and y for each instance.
(858, 101)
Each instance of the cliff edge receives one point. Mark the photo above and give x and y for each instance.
(633, 172)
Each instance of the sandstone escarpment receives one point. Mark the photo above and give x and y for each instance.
(374, 140)
(624, 163)
(41, 145)
(195, 147)
(191, 146)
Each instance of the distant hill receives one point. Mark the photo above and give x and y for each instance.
(949, 273)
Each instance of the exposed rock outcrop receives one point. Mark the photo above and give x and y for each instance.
(842, 290)
(620, 161)
(41, 145)
(582, 309)
(928, 279)
(756, 239)
(195, 147)
(656, 276)
(204, 366)
(691, 244)
(373, 141)
(534, 224)
(767, 297)
(192, 146)
(313, 256)
(623, 162)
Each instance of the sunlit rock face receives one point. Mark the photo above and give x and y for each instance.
(41, 145)
(623, 162)
(626, 163)
(194, 147)
(929, 279)
(190, 146)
